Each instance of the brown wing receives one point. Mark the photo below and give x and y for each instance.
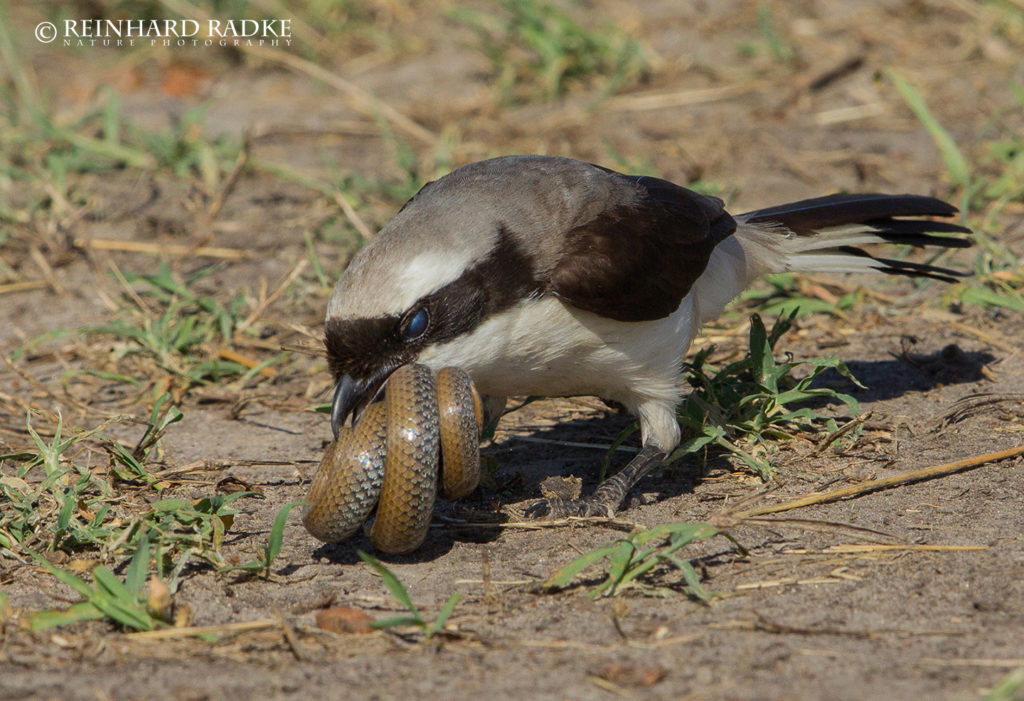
(636, 262)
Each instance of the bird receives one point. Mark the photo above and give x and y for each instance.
(549, 276)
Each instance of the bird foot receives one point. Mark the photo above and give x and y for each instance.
(563, 508)
(609, 495)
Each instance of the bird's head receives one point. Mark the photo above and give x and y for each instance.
(445, 264)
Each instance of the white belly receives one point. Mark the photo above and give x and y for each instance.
(544, 347)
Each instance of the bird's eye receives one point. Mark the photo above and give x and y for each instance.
(416, 326)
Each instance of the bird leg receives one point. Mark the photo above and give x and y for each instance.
(610, 494)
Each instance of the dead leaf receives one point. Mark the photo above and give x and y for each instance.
(182, 79)
(630, 675)
(159, 601)
(344, 619)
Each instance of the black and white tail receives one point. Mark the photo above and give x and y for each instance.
(825, 234)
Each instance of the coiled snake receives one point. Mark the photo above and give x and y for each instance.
(424, 434)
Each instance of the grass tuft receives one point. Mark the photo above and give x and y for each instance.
(637, 555)
(750, 403)
(180, 331)
(275, 541)
(51, 500)
(122, 601)
(537, 51)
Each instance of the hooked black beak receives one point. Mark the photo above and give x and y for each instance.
(352, 396)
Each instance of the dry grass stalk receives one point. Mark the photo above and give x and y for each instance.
(869, 486)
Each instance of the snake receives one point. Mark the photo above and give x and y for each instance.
(421, 439)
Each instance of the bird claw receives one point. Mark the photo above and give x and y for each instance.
(554, 508)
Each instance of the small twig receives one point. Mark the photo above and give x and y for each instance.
(987, 337)
(362, 100)
(848, 65)
(869, 486)
(873, 547)
(767, 626)
(40, 387)
(611, 687)
(209, 465)
(316, 336)
(678, 98)
(854, 113)
(289, 635)
(234, 357)
(189, 631)
(278, 291)
(583, 645)
(540, 525)
(572, 444)
(353, 216)
(229, 182)
(44, 266)
(973, 662)
(22, 286)
(126, 286)
(496, 583)
(196, 466)
(840, 432)
(205, 220)
(811, 525)
(162, 249)
(485, 572)
(971, 404)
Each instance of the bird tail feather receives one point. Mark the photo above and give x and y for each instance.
(825, 234)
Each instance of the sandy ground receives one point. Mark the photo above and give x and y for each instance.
(837, 601)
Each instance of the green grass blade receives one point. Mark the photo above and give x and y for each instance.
(129, 615)
(639, 567)
(67, 508)
(135, 576)
(606, 461)
(690, 576)
(108, 596)
(256, 369)
(684, 533)
(318, 269)
(170, 504)
(109, 583)
(761, 359)
(276, 537)
(397, 621)
(956, 164)
(251, 566)
(51, 618)
(130, 156)
(566, 574)
(984, 297)
(1009, 688)
(619, 562)
(396, 588)
(778, 46)
(443, 614)
(79, 585)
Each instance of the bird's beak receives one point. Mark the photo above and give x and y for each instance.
(352, 396)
